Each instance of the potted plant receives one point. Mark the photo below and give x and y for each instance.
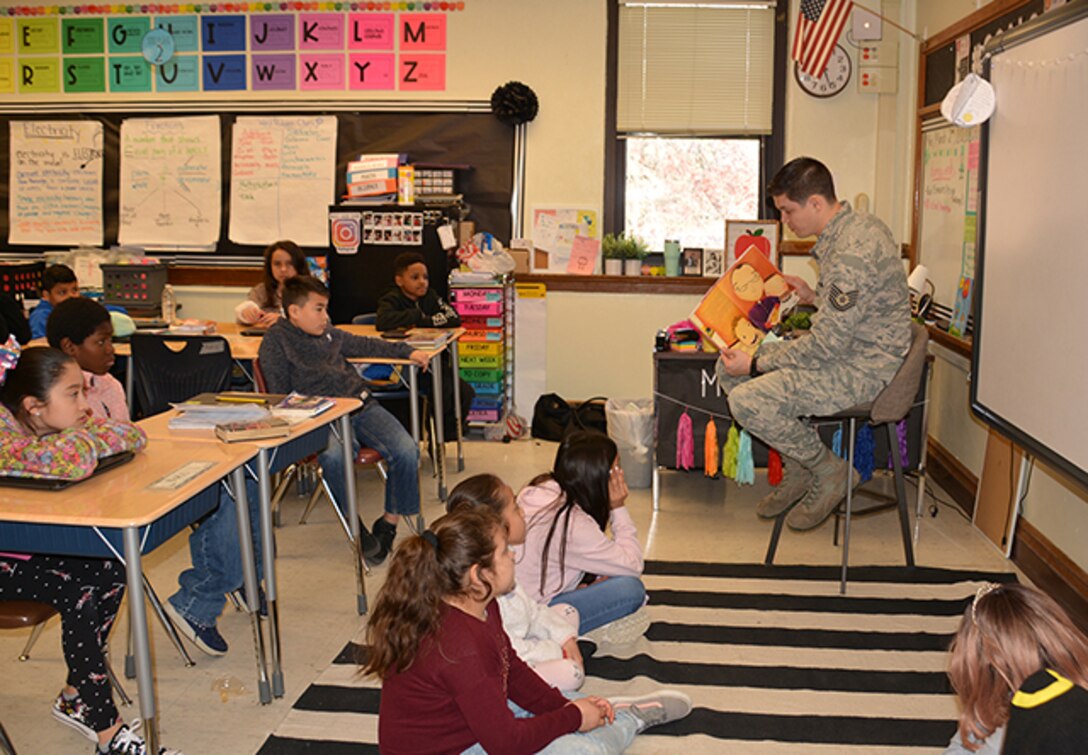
(612, 249)
(634, 251)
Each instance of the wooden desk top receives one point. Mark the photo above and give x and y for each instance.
(157, 427)
(124, 497)
(372, 332)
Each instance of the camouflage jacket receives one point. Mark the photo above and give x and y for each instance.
(864, 307)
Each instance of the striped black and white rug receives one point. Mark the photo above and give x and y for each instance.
(774, 658)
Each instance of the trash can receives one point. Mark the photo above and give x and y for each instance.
(631, 426)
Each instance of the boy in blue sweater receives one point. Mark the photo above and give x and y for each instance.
(58, 283)
(303, 353)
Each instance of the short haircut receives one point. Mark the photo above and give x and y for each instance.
(802, 178)
(57, 274)
(406, 260)
(298, 289)
(76, 319)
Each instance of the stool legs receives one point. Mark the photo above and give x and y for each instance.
(849, 506)
(901, 494)
(35, 633)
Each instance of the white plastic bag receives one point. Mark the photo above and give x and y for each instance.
(631, 426)
(484, 254)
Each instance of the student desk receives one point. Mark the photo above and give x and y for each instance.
(307, 437)
(413, 388)
(134, 509)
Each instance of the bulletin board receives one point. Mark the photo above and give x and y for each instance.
(469, 136)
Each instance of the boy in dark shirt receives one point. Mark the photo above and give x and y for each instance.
(303, 353)
(412, 304)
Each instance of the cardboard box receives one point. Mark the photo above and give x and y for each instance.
(521, 260)
(466, 229)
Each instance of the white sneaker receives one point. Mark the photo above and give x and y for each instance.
(622, 631)
(127, 742)
(655, 709)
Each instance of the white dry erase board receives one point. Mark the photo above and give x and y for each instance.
(55, 182)
(1030, 355)
(282, 179)
(170, 182)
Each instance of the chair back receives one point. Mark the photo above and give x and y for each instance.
(258, 377)
(171, 368)
(893, 403)
(367, 318)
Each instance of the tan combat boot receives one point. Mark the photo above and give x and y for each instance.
(828, 490)
(796, 481)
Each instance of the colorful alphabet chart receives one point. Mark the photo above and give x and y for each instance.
(224, 47)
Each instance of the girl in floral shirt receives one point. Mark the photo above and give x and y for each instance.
(46, 431)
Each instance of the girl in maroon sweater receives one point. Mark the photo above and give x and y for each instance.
(451, 681)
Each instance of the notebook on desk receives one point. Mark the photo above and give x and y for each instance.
(105, 464)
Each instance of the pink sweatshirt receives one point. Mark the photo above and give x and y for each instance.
(588, 549)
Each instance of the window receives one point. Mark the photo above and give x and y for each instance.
(694, 130)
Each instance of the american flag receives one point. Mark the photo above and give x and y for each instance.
(819, 25)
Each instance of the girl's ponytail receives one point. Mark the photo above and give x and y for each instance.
(425, 570)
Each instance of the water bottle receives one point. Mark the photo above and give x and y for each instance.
(169, 304)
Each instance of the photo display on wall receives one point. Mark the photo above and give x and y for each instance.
(393, 228)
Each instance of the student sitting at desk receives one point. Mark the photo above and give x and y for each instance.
(45, 431)
(83, 330)
(303, 353)
(282, 260)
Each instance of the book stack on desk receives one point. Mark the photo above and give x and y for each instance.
(273, 427)
(295, 407)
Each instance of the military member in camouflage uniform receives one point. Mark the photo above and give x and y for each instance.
(859, 337)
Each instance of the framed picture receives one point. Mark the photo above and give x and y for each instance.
(691, 262)
(713, 262)
(742, 234)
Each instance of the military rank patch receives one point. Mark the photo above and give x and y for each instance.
(842, 300)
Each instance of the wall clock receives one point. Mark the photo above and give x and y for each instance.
(834, 79)
(157, 46)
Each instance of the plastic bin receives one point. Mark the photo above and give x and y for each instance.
(631, 426)
(135, 286)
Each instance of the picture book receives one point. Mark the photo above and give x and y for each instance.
(745, 303)
(295, 406)
(273, 427)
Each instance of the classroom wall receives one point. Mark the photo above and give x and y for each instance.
(1056, 507)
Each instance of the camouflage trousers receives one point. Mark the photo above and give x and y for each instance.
(774, 407)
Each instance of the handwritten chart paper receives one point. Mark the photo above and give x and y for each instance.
(283, 178)
(171, 182)
(56, 182)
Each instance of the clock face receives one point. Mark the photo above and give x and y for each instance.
(834, 79)
(157, 46)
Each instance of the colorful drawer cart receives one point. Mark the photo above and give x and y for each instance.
(486, 350)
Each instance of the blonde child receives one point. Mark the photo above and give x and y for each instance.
(545, 637)
(451, 681)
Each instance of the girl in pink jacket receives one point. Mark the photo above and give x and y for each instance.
(568, 557)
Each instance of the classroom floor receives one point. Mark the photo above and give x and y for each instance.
(700, 519)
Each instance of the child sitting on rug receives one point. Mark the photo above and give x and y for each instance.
(568, 557)
(451, 682)
(544, 637)
(1020, 663)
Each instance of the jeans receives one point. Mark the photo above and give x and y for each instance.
(603, 602)
(217, 559)
(373, 426)
(604, 740)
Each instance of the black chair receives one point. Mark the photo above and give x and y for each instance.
(171, 368)
(907, 387)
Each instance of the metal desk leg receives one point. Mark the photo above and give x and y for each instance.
(268, 545)
(413, 401)
(439, 430)
(655, 484)
(130, 385)
(249, 579)
(457, 409)
(353, 504)
(138, 609)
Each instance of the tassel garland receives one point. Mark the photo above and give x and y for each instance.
(774, 468)
(710, 449)
(864, 453)
(729, 453)
(685, 443)
(746, 468)
(904, 450)
(836, 442)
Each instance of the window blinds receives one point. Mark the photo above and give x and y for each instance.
(696, 68)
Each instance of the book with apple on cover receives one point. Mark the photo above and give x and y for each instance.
(745, 303)
(273, 427)
(295, 406)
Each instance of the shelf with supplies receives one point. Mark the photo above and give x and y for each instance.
(485, 353)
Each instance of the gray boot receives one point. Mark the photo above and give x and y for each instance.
(828, 490)
(796, 481)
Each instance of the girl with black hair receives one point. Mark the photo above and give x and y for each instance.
(568, 557)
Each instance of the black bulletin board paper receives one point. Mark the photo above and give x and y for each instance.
(476, 139)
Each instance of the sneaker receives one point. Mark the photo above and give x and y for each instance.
(262, 607)
(384, 532)
(74, 713)
(127, 742)
(656, 709)
(207, 639)
(622, 631)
